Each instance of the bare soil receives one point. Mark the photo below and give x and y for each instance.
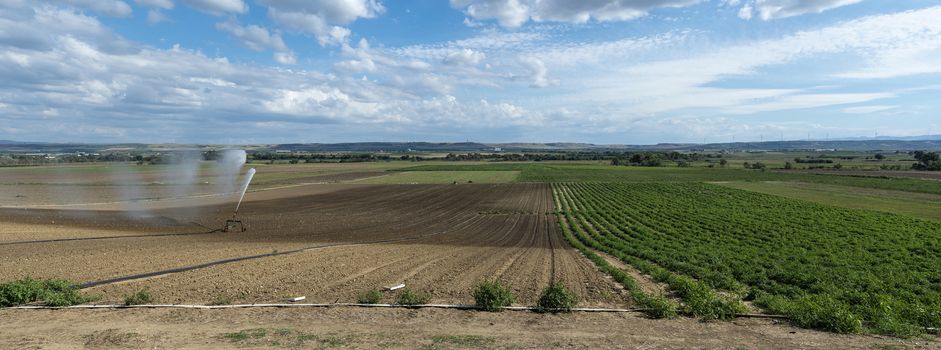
(455, 236)
(356, 328)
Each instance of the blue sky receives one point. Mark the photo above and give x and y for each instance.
(597, 71)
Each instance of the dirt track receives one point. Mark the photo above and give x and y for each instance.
(464, 233)
(406, 329)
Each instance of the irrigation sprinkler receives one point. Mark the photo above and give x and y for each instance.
(234, 223)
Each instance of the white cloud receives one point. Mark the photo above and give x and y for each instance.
(161, 4)
(155, 16)
(322, 18)
(514, 13)
(775, 9)
(259, 39)
(285, 58)
(253, 37)
(114, 8)
(668, 85)
(465, 57)
(539, 73)
(867, 109)
(218, 7)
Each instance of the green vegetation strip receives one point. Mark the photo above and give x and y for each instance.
(51, 292)
(837, 269)
(920, 205)
(580, 172)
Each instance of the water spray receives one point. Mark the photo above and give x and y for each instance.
(234, 222)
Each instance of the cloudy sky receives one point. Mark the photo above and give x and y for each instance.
(598, 71)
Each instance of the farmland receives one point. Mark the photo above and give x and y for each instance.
(825, 267)
(694, 243)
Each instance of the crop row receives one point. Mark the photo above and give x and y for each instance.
(832, 268)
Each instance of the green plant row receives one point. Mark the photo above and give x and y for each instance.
(843, 270)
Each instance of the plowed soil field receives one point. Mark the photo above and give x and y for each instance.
(441, 239)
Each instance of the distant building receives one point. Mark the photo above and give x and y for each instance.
(497, 149)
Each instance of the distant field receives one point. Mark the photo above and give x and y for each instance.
(925, 206)
(843, 270)
(441, 177)
(580, 172)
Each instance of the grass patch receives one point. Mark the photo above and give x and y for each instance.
(140, 297)
(284, 337)
(221, 299)
(463, 341)
(372, 296)
(51, 292)
(493, 296)
(557, 298)
(246, 334)
(411, 297)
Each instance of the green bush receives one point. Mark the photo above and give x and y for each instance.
(141, 297)
(410, 297)
(493, 296)
(51, 292)
(372, 296)
(815, 311)
(656, 306)
(556, 298)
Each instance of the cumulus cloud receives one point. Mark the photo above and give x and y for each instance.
(218, 7)
(539, 73)
(514, 13)
(324, 19)
(775, 9)
(77, 80)
(114, 8)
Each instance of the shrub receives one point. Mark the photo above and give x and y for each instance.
(493, 296)
(410, 297)
(52, 292)
(556, 298)
(372, 296)
(815, 311)
(141, 297)
(657, 306)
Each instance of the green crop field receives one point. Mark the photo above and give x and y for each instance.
(597, 172)
(441, 177)
(825, 267)
(920, 205)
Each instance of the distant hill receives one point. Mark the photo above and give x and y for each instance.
(894, 138)
(884, 145)
(867, 145)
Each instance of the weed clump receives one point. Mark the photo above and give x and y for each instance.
(493, 296)
(372, 296)
(51, 292)
(221, 299)
(411, 297)
(140, 297)
(556, 298)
